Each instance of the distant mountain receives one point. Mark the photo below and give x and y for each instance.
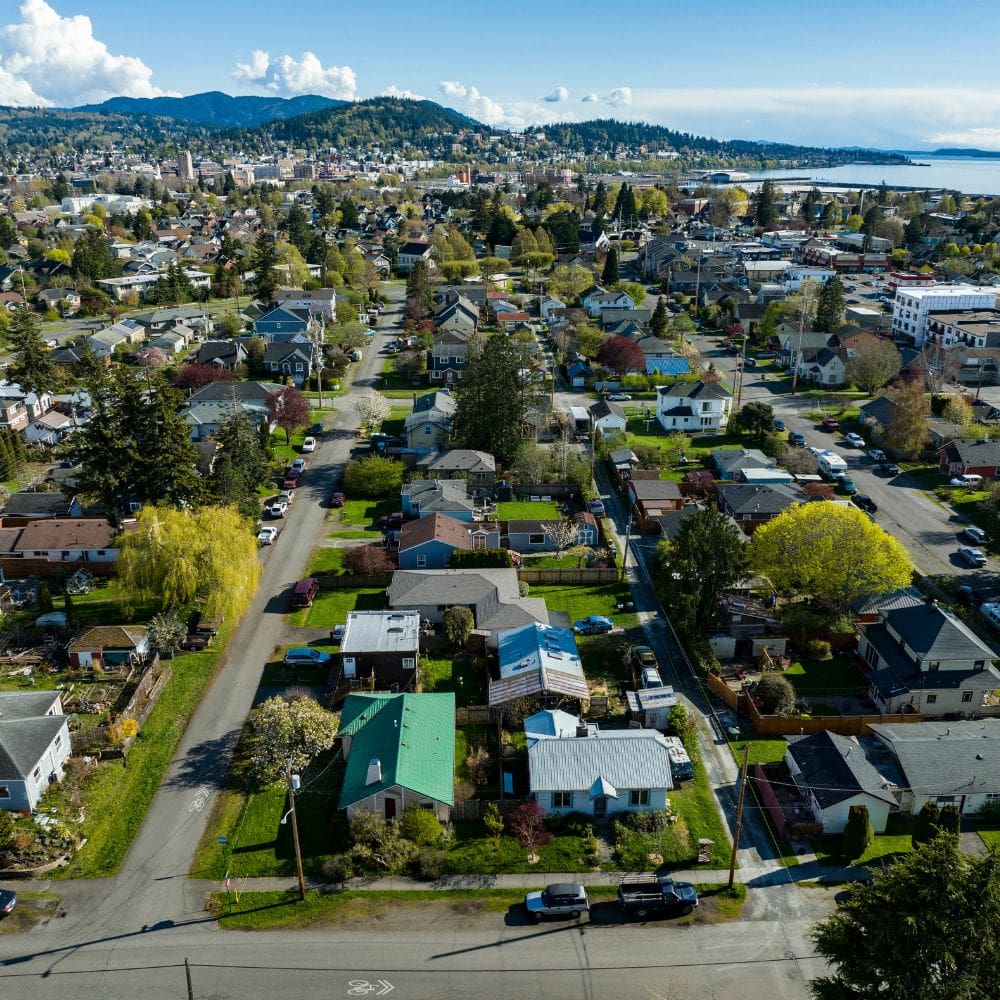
(389, 121)
(979, 154)
(215, 108)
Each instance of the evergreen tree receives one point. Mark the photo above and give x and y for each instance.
(8, 466)
(609, 276)
(914, 232)
(831, 215)
(810, 206)
(927, 826)
(32, 368)
(599, 204)
(349, 214)
(766, 212)
(493, 400)
(858, 833)
(660, 319)
(525, 243)
(93, 258)
(266, 280)
(419, 297)
(950, 821)
(240, 444)
(299, 229)
(830, 306)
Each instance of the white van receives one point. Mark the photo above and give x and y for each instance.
(969, 479)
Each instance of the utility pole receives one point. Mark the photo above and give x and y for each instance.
(293, 787)
(628, 538)
(739, 814)
(187, 973)
(319, 358)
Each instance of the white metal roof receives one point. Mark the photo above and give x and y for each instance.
(636, 758)
(381, 632)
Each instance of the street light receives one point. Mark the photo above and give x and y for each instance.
(294, 784)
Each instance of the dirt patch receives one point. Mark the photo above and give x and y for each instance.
(34, 909)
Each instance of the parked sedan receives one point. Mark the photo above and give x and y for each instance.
(877, 455)
(306, 656)
(597, 508)
(854, 440)
(299, 466)
(797, 439)
(865, 502)
(847, 485)
(309, 445)
(562, 899)
(279, 508)
(972, 557)
(889, 469)
(645, 657)
(593, 625)
(975, 535)
(619, 397)
(266, 536)
(779, 425)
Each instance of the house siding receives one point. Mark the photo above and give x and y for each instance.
(403, 797)
(581, 801)
(387, 668)
(25, 794)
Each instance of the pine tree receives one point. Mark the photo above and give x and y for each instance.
(830, 306)
(858, 833)
(660, 318)
(266, 277)
(766, 212)
(609, 276)
(8, 466)
(32, 368)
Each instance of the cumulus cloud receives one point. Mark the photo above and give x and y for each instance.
(287, 76)
(393, 91)
(509, 114)
(619, 96)
(590, 98)
(978, 138)
(557, 95)
(49, 59)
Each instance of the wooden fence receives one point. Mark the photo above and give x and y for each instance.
(328, 581)
(473, 715)
(583, 576)
(549, 491)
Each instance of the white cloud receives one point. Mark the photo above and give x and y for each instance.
(393, 91)
(287, 76)
(590, 98)
(511, 114)
(619, 96)
(979, 138)
(50, 59)
(557, 95)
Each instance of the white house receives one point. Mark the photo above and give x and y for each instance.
(693, 406)
(34, 745)
(547, 304)
(601, 773)
(412, 251)
(911, 306)
(595, 300)
(607, 416)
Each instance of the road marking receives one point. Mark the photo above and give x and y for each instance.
(200, 799)
(361, 987)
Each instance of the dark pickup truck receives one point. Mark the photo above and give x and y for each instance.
(644, 895)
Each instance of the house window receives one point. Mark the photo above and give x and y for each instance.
(57, 742)
(638, 797)
(409, 663)
(4, 791)
(536, 539)
(967, 695)
(102, 552)
(934, 665)
(298, 367)
(871, 655)
(979, 665)
(421, 560)
(37, 773)
(428, 429)
(931, 699)
(562, 800)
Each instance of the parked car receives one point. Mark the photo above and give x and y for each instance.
(337, 499)
(830, 424)
(8, 900)
(876, 455)
(309, 445)
(797, 439)
(306, 656)
(304, 593)
(337, 633)
(854, 440)
(889, 469)
(597, 508)
(299, 466)
(647, 894)
(562, 899)
(969, 596)
(779, 425)
(972, 557)
(969, 479)
(316, 428)
(991, 612)
(650, 678)
(391, 522)
(865, 502)
(644, 657)
(267, 535)
(619, 397)
(847, 485)
(278, 508)
(593, 625)
(973, 534)
(291, 480)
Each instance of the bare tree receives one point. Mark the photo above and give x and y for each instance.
(373, 408)
(562, 533)
(938, 366)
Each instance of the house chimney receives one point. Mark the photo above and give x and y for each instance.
(374, 775)
(581, 728)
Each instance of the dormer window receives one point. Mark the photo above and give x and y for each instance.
(934, 665)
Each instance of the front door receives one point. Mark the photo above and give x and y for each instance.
(600, 807)
(390, 808)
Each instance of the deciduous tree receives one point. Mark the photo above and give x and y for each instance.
(621, 355)
(289, 409)
(458, 624)
(776, 694)
(831, 552)
(289, 732)
(194, 376)
(907, 428)
(373, 477)
(756, 419)
(373, 408)
(873, 365)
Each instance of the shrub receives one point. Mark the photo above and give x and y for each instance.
(458, 624)
(927, 826)
(373, 477)
(337, 870)
(6, 832)
(523, 588)
(480, 559)
(421, 826)
(989, 812)
(858, 833)
(377, 844)
(818, 649)
(367, 560)
(678, 720)
(431, 864)
(526, 823)
(477, 765)
(776, 694)
(950, 821)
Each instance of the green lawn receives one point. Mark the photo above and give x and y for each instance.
(326, 559)
(991, 837)
(694, 801)
(110, 604)
(551, 562)
(895, 840)
(364, 514)
(761, 751)
(465, 676)
(394, 423)
(473, 851)
(287, 453)
(117, 797)
(331, 606)
(578, 602)
(528, 510)
(817, 678)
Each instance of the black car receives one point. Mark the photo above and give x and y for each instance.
(865, 502)
(797, 439)
(888, 469)
(779, 425)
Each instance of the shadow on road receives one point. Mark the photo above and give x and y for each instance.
(205, 763)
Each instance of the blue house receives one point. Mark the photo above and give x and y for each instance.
(428, 542)
(282, 324)
(423, 497)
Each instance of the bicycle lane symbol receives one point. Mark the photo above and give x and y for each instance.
(200, 800)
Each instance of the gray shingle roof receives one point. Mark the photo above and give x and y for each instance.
(935, 634)
(26, 704)
(23, 741)
(835, 768)
(695, 390)
(755, 498)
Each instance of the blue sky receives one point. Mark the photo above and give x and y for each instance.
(891, 74)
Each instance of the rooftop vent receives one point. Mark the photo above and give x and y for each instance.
(374, 775)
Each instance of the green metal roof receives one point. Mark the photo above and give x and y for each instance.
(412, 736)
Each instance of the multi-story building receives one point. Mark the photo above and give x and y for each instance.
(912, 306)
(185, 168)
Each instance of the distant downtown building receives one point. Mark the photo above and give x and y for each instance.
(185, 168)
(912, 305)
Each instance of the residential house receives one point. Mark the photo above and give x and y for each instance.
(51, 298)
(49, 429)
(221, 353)
(529, 536)
(601, 772)
(537, 660)
(457, 314)
(320, 302)
(428, 424)
(551, 722)
(579, 373)
(546, 305)
(173, 342)
(13, 412)
(110, 646)
(290, 359)
(615, 318)
(752, 504)
(400, 751)
(381, 648)
(423, 497)
(34, 745)
(607, 417)
(947, 763)
(123, 334)
(651, 498)
(448, 356)
(662, 359)
(595, 300)
(210, 406)
(960, 458)
(924, 659)
(833, 774)
(824, 366)
(428, 542)
(492, 595)
(729, 461)
(32, 504)
(412, 251)
(670, 522)
(476, 467)
(48, 546)
(282, 323)
(194, 317)
(693, 406)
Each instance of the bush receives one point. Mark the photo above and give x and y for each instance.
(367, 560)
(858, 833)
(458, 624)
(421, 826)
(799, 620)
(431, 864)
(927, 826)
(776, 694)
(818, 649)
(989, 812)
(477, 765)
(337, 870)
(373, 477)
(480, 559)
(678, 720)
(950, 821)
(526, 824)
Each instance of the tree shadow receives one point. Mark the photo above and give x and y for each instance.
(207, 763)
